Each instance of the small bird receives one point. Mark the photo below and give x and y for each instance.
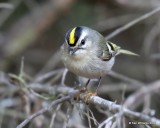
(86, 53)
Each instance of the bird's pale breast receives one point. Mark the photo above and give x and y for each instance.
(88, 66)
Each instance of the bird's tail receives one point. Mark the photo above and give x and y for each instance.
(117, 50)
(123, 51)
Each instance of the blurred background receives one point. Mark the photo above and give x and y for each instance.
(35, 30)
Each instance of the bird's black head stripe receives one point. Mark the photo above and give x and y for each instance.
(73, 35)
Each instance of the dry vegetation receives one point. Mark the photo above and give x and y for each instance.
(36, 91)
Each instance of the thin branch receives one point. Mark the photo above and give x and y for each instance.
(114, 22)
(64, 76)
(42, 111)
(89, 120)
(150, 38)
(132, 23)
(54, 115)
(132, 102)
(92, 117)
(108, 120)
(95, 100)
(47, 75)
(21, 73)
(126, 79)
(68, 115)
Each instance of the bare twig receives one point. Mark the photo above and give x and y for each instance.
(64, 76)
(150, 37)
(41, 78)
(39, 88)
(126, 79)
(130, 24)
(42, 111)
(132, 101)
(68, 115)
(89, 120)
(114, 22)
(108, 121)
(53, 116)
(95, 100)
(92, 116)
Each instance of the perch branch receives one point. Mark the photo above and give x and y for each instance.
(97, 101)
(113, 107)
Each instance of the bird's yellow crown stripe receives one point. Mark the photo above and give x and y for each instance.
(72, 37)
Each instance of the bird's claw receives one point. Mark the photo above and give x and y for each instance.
(88, 95)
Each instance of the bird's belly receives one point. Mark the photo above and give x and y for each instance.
(90, 73)
(91, 69)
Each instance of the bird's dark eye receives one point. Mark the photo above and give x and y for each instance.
(82, 41)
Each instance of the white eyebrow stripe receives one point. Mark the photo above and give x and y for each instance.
(83, 35)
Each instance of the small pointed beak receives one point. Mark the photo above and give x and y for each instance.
(72, 50)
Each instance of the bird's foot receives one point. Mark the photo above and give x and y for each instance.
(77, 96)
(88, 95)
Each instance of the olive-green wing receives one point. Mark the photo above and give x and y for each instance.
(110, 50)
(105, 54)
(117, 50)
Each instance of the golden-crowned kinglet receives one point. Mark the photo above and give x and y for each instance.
(86, 53)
